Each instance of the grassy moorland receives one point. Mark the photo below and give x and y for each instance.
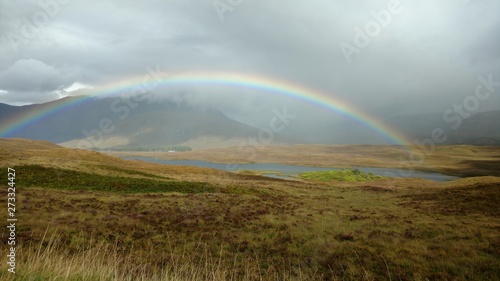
(87, 216)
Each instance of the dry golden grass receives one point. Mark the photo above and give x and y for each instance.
(251, 228)
(92, 260)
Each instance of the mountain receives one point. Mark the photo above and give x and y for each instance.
(124, 122)
(481, 128)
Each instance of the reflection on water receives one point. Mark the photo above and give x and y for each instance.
(286, 171)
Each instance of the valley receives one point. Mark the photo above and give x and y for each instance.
(453, 160)
(233, 140)
(84, 215)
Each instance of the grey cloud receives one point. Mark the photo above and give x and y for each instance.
(427, 58)
(34, 75)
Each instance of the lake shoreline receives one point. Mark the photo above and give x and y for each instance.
(290, 171)
(450, 160)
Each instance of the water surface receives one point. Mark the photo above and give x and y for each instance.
(286, 171)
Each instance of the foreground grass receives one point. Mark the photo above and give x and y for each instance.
(101, 218)
(91, 259)
(349, 231)
(340, 175)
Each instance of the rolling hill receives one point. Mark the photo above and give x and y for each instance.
(84, 215)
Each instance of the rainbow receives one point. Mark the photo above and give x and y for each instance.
(241, 80)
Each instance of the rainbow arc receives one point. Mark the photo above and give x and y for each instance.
(236, 80)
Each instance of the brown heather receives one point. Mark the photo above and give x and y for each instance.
(247, 227)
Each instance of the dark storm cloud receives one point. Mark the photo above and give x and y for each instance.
(426, 57)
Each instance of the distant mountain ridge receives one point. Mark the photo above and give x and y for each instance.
(481, 128)
(119, 122)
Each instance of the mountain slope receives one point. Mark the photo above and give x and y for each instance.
(119, 122)
(482, 128)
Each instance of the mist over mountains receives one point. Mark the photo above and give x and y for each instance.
(105, 123)
(482, 128)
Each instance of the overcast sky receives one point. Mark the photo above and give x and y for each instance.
(424, 57)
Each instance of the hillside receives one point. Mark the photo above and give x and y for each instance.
(148, 124)
(155, 124)
(84, 215)
(481, 128)
(19, 152)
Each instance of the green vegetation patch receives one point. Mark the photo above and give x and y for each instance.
(39, 176)
(131, 172)
(340, 175)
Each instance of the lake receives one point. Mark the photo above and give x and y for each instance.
(287, 171)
